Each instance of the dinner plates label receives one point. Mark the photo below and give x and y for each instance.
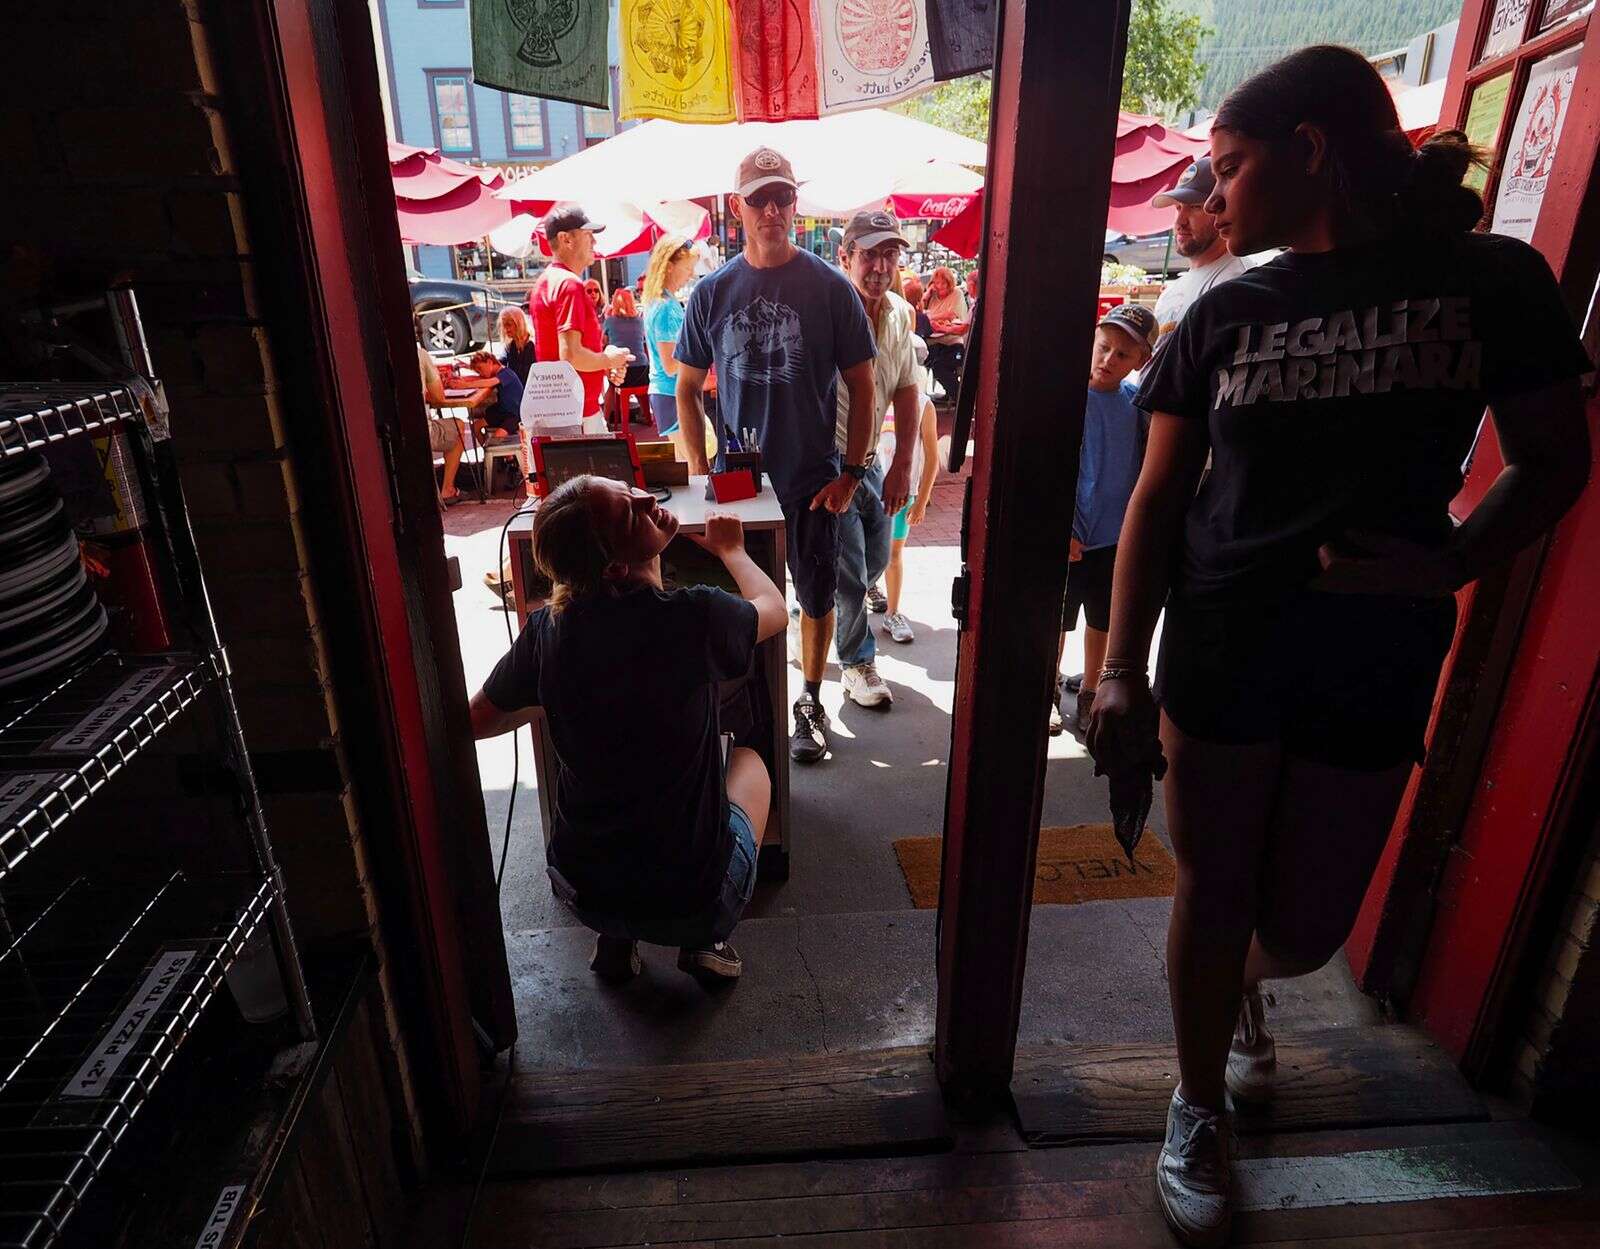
(90, 732)
(19, 792)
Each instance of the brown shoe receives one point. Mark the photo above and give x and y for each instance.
(1080, 717)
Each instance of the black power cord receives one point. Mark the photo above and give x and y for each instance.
(516, 759)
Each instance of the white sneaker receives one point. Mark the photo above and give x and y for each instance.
(1194, 1174)
(898, 627)
(1253, 1056)
(864, 687)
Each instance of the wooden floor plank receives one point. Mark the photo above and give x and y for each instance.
(887, 1101)
(1342, 1077)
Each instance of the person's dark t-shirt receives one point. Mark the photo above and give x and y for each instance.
(779, 338)
(1342, 392)
(506, 409)
(628, 683)
(519, 359)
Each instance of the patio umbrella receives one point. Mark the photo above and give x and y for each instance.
(442, 201)
(938, 189)
(664, 160)
(630, 228)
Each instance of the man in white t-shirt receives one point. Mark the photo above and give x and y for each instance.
(1195, 237)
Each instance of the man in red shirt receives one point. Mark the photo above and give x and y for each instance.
(565, 325)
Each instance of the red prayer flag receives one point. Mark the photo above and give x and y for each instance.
(774, 60)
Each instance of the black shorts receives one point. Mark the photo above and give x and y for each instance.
(505, 422)
(1089, 587)
(1344, 680)
(812, 539)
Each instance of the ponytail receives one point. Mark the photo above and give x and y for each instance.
(1435, 197)
(1377, 175)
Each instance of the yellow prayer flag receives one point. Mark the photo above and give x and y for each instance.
(675, 60)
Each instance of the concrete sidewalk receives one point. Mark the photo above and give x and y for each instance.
(836, 958)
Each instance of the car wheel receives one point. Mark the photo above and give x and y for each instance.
(445, 332)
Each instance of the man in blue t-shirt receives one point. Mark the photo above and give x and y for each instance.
(780, 325)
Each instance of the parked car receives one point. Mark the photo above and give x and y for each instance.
(1148, 251)
(453, 317)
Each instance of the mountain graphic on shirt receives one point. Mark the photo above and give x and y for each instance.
(763, 344)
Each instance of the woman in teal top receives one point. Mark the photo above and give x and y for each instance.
(671, 264)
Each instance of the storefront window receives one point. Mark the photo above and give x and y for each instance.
(452, 113)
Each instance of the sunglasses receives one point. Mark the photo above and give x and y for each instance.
(777, 196)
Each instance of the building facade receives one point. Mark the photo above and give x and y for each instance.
(425, 57)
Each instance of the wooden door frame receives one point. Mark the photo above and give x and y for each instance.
(1045, 214)
(1450, 813)
(313, 169)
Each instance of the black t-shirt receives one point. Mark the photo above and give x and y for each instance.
(1342, 391)
(628, 683)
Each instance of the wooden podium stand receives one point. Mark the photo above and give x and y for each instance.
(685, 563)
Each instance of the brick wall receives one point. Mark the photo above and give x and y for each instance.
(1559, 1051)
(115, 146)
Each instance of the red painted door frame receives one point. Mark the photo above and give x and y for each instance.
(1049, 187)
(355, 365)
(1446, 922)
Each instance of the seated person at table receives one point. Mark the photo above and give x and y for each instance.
(444, 433)
(653, 837)
(497, 407)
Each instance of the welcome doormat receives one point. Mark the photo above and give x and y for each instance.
(1082, 863)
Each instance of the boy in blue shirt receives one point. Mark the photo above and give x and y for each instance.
(1108, 467)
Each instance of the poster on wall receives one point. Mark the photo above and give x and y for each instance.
(1505, 27)
(873, 52)
(1531, 143)
(1484, 116)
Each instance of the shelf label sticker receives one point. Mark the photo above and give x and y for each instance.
(94, 1076)
(216, 1228)
(134, 692)
(19, 792)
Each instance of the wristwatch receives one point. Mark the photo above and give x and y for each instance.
(858, 471)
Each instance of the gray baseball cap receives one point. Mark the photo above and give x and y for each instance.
(1134, 319)
(1194, 187)
(868, 229)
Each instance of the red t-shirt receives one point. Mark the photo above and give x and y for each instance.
(558, 303)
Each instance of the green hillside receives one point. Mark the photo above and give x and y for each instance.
(1252, 33)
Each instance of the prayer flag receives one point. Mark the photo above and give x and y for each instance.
(774, 59)
(871, 52)
(960, 36)
(550, 48)
(675, 60)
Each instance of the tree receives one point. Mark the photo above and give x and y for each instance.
(1162, 73)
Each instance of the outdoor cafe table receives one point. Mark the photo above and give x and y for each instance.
(765, 689)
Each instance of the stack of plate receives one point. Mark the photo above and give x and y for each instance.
(49, 614)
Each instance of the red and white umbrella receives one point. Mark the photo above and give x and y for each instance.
(939, 189)
(441, 201)
(631, 229)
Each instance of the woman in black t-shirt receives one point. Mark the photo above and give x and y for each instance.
(1308, 580)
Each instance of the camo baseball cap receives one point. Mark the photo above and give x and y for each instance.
(868, 229)
(763, 167)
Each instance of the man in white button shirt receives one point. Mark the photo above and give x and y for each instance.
(1195, 237)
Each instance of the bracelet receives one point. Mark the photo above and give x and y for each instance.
(1121, 674)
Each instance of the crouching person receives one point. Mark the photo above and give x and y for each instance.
(654, 837)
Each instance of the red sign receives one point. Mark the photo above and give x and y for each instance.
(939, 207)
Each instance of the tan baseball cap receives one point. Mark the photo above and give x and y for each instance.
(763, 167)
(868, 229)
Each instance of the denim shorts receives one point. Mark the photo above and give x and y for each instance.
(664, 412)
(716, 922)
